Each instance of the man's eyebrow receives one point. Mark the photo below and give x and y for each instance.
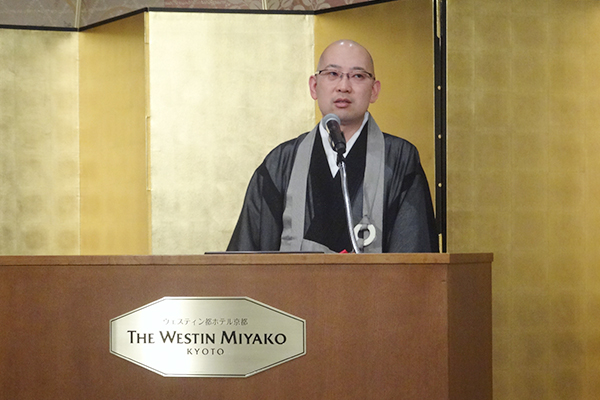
(340, 67)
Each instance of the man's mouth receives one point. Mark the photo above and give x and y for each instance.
(342, 103)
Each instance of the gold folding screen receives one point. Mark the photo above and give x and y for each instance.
(113, 157)
(523, 135)
(175, 111)
(39, 154)
(223, 94)
(399, 36)
(224, 90)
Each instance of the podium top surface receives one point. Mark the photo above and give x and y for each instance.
(252, 258)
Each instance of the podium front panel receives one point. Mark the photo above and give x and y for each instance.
(377, 326)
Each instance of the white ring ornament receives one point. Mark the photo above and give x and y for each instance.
(362, 227)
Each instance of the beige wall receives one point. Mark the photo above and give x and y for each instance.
(39, 172)
(524, 183)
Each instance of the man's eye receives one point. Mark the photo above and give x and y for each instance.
(358, 76)
(334, 74)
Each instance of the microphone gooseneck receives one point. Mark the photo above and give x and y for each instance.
(348, 207)
(338, 144)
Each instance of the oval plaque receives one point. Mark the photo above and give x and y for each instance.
(207, 336)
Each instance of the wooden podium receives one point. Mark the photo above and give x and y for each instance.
(381, 326)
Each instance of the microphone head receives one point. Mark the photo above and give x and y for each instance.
(328, 118)
(336, 136)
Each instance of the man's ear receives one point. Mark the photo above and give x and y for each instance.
(375, 91)
(312, 85)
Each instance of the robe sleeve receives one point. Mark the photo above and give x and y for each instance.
(260, 223)
(409, 221)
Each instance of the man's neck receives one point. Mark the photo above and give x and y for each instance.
(351, 130)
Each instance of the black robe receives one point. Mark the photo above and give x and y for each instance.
(408, 219)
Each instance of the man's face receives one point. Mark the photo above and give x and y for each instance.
(347, 98)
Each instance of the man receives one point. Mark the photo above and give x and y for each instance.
(294, 200)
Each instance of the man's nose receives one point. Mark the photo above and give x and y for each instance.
(344, 84)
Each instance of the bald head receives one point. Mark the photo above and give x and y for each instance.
(347, 47)
(345, 84)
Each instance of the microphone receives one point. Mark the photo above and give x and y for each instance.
(338, 143)
(336, 136)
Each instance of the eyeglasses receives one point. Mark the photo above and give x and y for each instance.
(333, 75)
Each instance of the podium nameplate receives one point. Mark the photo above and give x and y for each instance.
(207, 336)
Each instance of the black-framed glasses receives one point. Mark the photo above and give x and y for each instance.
(334, 75)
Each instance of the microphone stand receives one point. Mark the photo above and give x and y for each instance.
(341, 162)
